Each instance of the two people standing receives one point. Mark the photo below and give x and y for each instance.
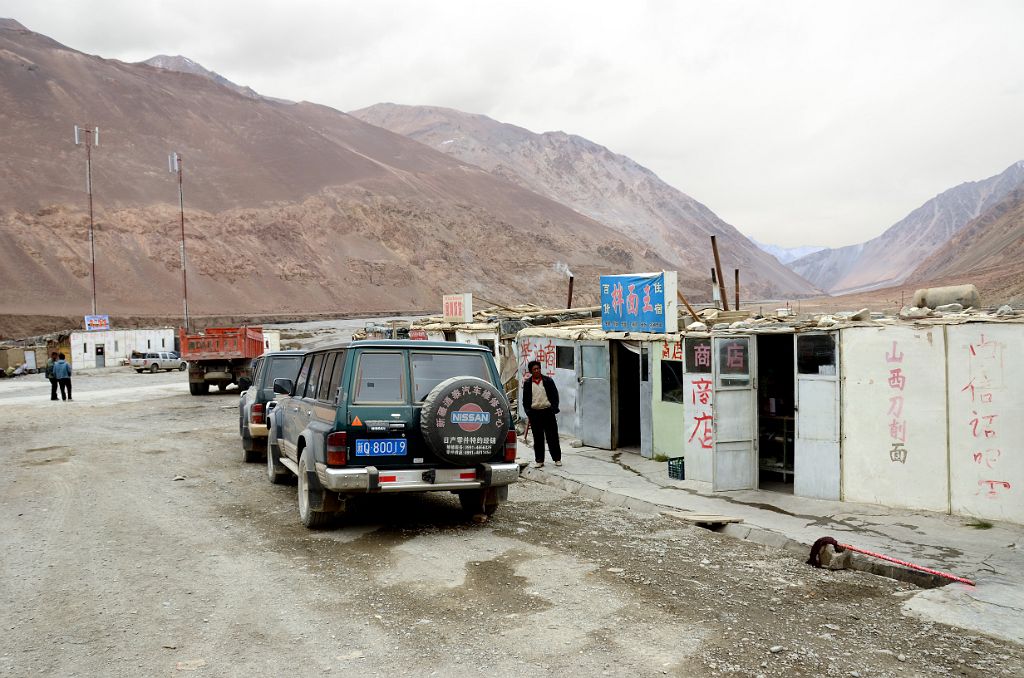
(58, 371)
(540, 401)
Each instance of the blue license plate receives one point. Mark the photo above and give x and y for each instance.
(382, 447)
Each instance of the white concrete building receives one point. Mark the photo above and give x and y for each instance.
(109, 348)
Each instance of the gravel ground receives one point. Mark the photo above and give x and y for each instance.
(112, 567)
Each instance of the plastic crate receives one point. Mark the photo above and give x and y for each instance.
(676, 468)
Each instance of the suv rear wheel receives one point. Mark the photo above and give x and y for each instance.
(310, 518)
(154, 368)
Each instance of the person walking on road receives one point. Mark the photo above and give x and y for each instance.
(49, 375)
(540, 400)
(62, 372)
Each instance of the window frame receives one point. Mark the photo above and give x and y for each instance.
(403, 387)
(412, 373)
(316, 366)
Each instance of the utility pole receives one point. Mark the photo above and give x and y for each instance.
(174, 165)
(89, 138)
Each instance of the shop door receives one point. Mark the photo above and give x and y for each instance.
(646, 396)
(816, 457)
(734, 458)
(595, 396)
(101, 355)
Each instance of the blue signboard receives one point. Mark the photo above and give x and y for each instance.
(643, 302)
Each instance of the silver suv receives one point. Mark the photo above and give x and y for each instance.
(155, 361)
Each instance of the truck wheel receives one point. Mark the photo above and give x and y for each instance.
(138, 371)
(182, 367)
(475, 502)
(222, 387)
(154, 368)
(309, 517)
(197, 388)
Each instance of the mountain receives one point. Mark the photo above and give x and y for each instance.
(182, 64)
(288, 207)
(604, 186)
(891, 257)
(787, 254)
(988, 251)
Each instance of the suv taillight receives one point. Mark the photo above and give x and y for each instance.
(256, 414)
(337, 448)
(510, 446)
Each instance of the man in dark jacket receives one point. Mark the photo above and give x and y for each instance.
(49, 375)
(540, 400)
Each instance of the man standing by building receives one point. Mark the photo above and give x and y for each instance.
(62, 372)
(540, 401)
(49, 375)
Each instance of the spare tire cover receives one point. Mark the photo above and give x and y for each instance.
(465, 420)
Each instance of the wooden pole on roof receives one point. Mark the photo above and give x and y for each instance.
(721, 280)
(687, 305)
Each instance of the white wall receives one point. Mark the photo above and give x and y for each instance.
(876, 413)
(986, 420)
(118, 345)
(543, 349)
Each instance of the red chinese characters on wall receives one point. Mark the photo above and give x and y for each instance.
(985, 380)
(672, 350)
(541, 350)
(897, 382)
(700, 401)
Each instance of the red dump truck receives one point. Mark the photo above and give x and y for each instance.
(219, 355)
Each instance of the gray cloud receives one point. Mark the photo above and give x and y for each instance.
(800, 122)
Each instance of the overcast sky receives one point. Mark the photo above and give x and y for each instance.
(802, 122)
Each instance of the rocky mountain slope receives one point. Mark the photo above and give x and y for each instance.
(603, 185)
(289, 207)
(988, 251)
(890, 258)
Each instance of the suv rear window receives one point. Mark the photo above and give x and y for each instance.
(380, 378)
(430, 369)
(281, 367)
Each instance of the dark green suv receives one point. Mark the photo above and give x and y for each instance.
(392, 416)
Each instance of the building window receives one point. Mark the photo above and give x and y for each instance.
(163, 342)
(698, 355)
(816, 354)
(672, 381)
(149, 344)
(565, 358)
(489, 343)
(734, 361)
(115, 346)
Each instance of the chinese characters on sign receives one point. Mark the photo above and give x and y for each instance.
(672, 350)
(94, 323)
(985, 379)
(458, 308)
(541, 350)
(897, 424)
(639, 303)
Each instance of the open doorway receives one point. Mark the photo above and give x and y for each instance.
(776, 424)
(626, 397)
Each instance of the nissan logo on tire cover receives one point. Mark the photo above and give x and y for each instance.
(465, 420)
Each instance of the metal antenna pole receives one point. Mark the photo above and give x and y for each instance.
(92, 137)
(92, 234)
(176, 165)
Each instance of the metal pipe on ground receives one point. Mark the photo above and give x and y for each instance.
(721, 280)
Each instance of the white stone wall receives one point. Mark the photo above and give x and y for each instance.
(894, 446)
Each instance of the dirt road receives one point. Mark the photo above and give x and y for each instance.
(111, 567)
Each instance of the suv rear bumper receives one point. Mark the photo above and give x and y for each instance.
(370, 479)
